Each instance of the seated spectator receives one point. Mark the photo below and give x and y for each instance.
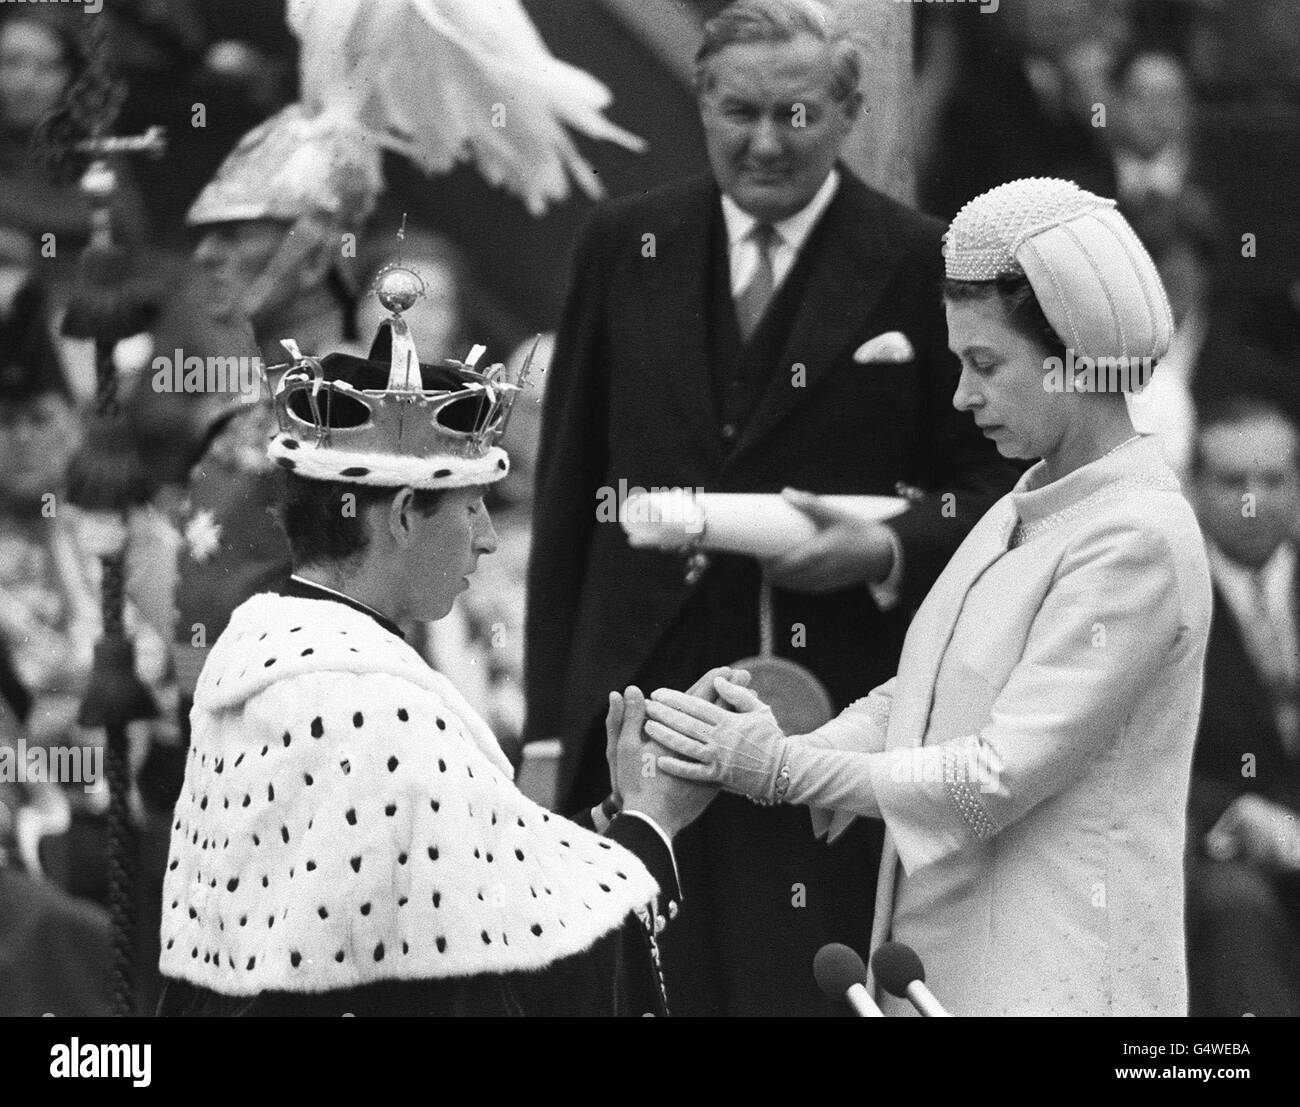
(40, 56)
(1243, 895)
(1152, 135)
(1010, 97)
(48, 615)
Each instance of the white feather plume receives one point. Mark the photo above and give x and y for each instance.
(446, 81)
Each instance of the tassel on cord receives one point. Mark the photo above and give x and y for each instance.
(106, 478)
(109, 300)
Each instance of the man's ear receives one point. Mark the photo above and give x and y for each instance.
(400, 510)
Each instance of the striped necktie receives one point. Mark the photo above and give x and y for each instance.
(755, 296)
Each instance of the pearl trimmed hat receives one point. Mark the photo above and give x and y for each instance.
(1093, 278)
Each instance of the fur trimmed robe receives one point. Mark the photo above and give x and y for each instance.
(349, 823)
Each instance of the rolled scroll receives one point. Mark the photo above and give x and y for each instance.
(761, 525)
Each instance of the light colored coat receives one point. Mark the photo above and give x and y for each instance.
(1036, 750)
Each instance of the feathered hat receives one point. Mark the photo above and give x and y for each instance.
(389, 420)
(437, 81)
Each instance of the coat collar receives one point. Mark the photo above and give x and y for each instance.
(352, 820)
(1041, 506)
(309, 590)
(1032, 508)
(272, 638)
(793, 231)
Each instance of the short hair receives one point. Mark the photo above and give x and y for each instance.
(320, 531)
(1022, 307)
(1239, 407)
(780, 21)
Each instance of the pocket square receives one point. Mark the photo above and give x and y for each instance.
(892, 346)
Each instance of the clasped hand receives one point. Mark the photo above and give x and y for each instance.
(741, 750)
(846, 550)
(672, 801)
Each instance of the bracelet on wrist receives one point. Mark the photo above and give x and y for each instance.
(782, 784)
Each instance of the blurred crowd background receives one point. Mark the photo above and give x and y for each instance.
(1187, 111)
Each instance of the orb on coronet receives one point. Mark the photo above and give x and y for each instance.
(398, 288)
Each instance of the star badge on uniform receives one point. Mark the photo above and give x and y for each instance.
(203, 535)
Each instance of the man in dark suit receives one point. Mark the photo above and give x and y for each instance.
(774, 324)
(1243, 894)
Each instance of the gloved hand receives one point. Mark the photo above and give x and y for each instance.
(672, 803)
(702, 688)
(742, 750)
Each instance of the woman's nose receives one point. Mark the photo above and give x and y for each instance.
(967, 395)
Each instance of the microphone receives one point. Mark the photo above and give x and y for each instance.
(901, 974)
(842, 976)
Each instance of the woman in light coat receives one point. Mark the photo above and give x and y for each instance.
(1031, 758)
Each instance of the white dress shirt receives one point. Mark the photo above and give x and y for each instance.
(1164, 175)
(791, 234)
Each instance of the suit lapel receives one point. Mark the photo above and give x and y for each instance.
(843, 269)
(677, 289)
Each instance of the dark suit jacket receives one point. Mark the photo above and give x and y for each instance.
(630, 397)
(1236, 719)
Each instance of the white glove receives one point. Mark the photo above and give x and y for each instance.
(742, 750)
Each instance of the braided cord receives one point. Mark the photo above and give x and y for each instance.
(122, 850)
